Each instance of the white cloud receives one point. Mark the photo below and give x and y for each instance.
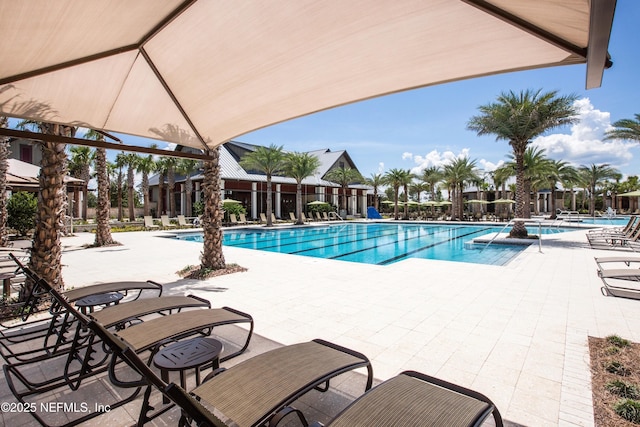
(585, 145)
(381, 167)
(437, 158)
(407, 155)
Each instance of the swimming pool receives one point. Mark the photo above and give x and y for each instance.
(376, 243)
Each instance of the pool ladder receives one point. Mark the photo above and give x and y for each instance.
(511, 222)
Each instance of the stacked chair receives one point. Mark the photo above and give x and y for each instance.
(620, 276)
(115, 347)
(627, 237)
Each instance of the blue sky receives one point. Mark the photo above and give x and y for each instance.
(424, 127)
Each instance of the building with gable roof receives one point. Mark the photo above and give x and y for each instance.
(250, 187)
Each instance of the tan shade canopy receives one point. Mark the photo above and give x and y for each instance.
(211, 70)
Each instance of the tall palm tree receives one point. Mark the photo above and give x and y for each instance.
(270, 161)
(161, 168)
(407, 179)
(187, 167)
(120, 163)
(299, 166)
(625, 129)
(459, 172)
(46, 252)
(536, 168)
(344, 177)
(4, 167)
(171, 163)
(376, 181)
(80, 167)
(146, 165)
(559, 172)
(518, 118)
(432, 176)
(395, 178)
(212, 256)
(594, 175)
(131, 160)
(103, 229)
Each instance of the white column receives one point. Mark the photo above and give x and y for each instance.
(222, 189)
(278, 202)
(335, 197)
(320, 193)
(254, 200)
(363, 199)
(354, 202)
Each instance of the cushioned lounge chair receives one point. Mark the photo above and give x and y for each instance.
(232, 219)
(629, 261)
(182, 222)
(243, 219)
(292, 216)
(254, 392)
(629, 240)
(415, 399)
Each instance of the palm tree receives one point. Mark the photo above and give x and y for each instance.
(146, 165)
(376, 181)
(131, 160)
(46, 252)
(80, 167)
(299, 166)
(518, 118)
(4, 166)
(407, 178)
(212, 256)
(395, 178)
(121, 162)
(270, 161)
(187, 167)
(594, 175)
(432, 176)
(162, 168)
(344, 177)
(103, 229)
(536, 168)
(458, 173)
(171, 163)
(562, 172)
(625, 129)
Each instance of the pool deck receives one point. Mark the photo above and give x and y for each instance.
(517, 333)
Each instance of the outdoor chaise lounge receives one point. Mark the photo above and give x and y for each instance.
(166, 223)
(87, 351)
(243, 219)
(629, 261)
(628, 240)
(182, 222)
(254, 392)
(148, 223)
(415, 399)
(623, 283)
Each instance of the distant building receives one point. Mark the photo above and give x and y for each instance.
(249, 187)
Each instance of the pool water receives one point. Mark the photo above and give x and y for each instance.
(377, 243)
(618, 221)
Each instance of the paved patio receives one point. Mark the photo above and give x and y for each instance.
(516, 333)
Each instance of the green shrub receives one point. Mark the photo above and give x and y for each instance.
(617, 341)
(21, 211)
(623, 389)
(198, 208)
(617, 368)
(612, 350)
(629, 410)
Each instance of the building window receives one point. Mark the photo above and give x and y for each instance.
(26, 153)
(341, 165)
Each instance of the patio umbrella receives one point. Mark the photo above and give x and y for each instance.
(504, 201)
(444, 203)
(230, 202)
(317, 202)
(482, 202)
(388, 202)
(635, 193)
(202, 72)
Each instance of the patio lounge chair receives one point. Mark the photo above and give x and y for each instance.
(166, 223)
(182, 222)
(263, 218)
(150, 335)
(292, 216)
(148, 223)
(626, 260)
(243, 219)
(631, 287)
(239, 396)
(415, 399)
(629, 240)
(324, 216)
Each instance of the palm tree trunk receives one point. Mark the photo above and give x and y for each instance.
(172, 195)
(103, 229)
(269, 202)
(4, 166)
(519, 229)
(130, 196)
(86, 177)
(188, 187)
(46, 254)
(299, 203)
(212, 255)
(145, 192)
(120, 213)
(161, 198)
